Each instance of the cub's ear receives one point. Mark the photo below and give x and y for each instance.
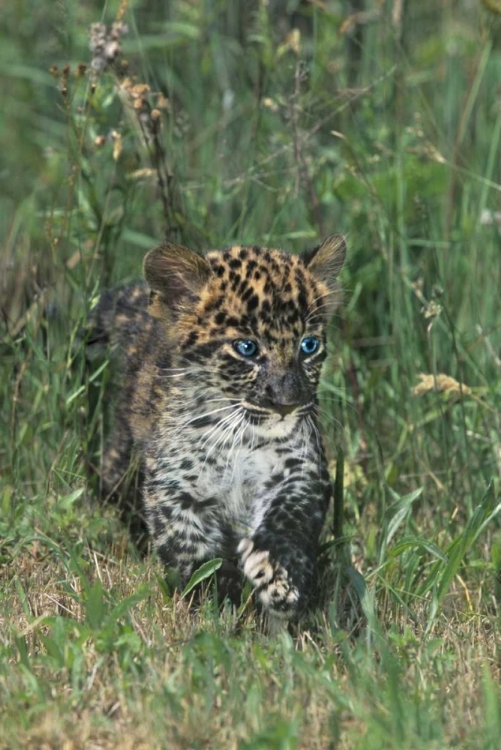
(175, 274)
(324, 262)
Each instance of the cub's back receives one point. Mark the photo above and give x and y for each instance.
(121, 328)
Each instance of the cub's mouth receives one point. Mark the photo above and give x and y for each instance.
(259, 413)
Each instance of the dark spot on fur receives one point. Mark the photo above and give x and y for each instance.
(251, 265)
(253, 303)
(192, 339)
(215, 304)
(186, 501)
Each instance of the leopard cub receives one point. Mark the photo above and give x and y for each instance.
(219, 363)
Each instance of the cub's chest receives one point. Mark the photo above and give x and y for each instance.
(246, 483)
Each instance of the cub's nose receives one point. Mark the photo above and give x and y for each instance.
(284, 393)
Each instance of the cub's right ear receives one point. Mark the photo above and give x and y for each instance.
(175, 274)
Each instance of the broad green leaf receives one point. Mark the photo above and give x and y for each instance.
(203, 572)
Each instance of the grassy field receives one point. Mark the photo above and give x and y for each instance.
(270, 123)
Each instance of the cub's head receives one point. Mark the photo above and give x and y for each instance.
(249, 322)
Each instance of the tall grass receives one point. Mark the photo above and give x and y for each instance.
(275, 124)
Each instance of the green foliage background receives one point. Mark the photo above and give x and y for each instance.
(274, 123)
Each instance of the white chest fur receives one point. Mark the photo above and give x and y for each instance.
(243, 482)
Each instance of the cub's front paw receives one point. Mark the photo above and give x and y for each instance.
(270, 579)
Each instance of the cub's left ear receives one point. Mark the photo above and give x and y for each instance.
(326, 260)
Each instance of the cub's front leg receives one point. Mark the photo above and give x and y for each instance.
(280, 557)
(186, 530)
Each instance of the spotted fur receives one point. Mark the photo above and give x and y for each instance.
(229, 445)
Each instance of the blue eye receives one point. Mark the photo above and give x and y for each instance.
(246, 347)
(310, 344)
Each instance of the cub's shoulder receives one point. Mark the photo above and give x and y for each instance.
(119, 318)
